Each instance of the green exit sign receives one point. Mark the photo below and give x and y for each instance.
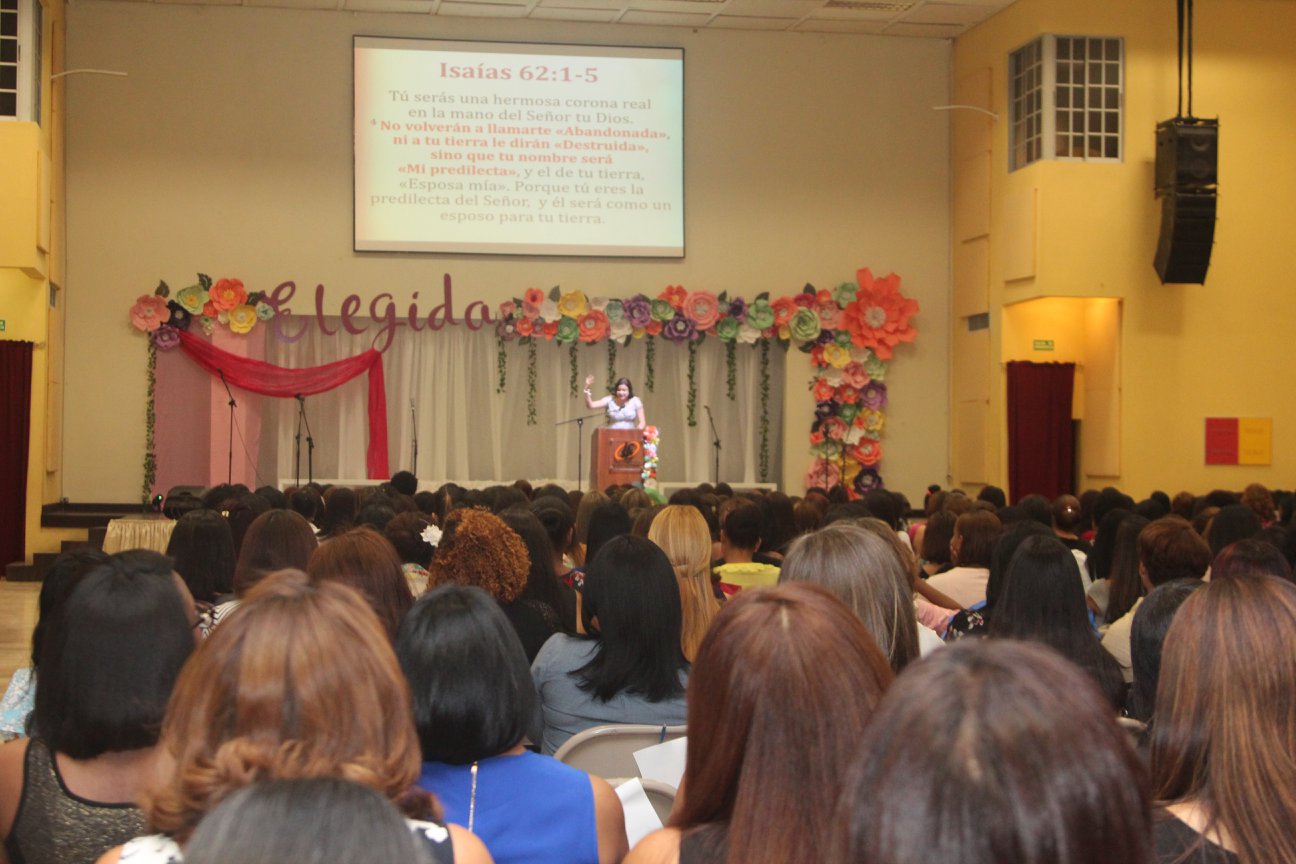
(1043, 344)
(1, 325)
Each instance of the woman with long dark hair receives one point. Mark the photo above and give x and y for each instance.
(631, 668)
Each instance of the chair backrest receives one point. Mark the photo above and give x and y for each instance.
(608, 751)
(662, 797)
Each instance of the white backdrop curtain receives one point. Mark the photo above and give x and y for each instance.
(443, 384)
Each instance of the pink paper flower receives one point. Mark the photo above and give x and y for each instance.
(149, 312)
(703, 309)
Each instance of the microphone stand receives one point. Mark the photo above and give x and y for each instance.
(414, 422)
(715, 443)
(580, 444)
(229, 476)
(297, 441)
(310, 442)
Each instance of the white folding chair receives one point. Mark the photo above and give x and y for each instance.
(608, 751)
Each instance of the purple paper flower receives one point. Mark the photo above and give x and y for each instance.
(637, 310)
(679, 329)
(506, 329)
(825, 336)
(738, 309)
(874, 395)
(180, 316)
(825, 409)
(165, 337)
(867, 480)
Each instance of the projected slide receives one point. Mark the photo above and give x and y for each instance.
(518, 149)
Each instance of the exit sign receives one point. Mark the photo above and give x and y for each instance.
(1, 325)
(1042, 345)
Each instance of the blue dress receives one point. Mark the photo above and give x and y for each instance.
(530, 809)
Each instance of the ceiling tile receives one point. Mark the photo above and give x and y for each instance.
(747, 22)
(560, 13)
(666, 19)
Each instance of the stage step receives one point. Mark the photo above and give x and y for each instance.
(20, 571)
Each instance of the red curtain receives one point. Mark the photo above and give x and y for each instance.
(1041, 443)
(258, 376)
(15, 436)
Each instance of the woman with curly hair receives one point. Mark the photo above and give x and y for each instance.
(478, 548)
(302, 682)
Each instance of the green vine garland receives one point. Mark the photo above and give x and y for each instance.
(571, 367)
(764, 410)
(692, 385)
(501, 365)
(731, 371)
(531, 382)
(651, 348)
(611, 358)
(150, 420)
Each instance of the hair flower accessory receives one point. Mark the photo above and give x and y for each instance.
(431, 535)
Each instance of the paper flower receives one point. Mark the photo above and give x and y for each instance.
(600, 303)
(828, 449)
(508, 309)
(165, 337)
(867, 452)
(871, 421)
(804, 325)
(834, 428)
(783, 308)
(662, 310)
(654, 327)
(738, 309)
(620, 330)
(572, 305)
(614, 310)
(874, 395)
(638, 311)
(876, 367)
(835, 355)
(192, 299)
(848, 411)
(180, 317)
(568, 331)
(549, 329)
(228, 293)
(525, 326)
(242, 319)
(822, 473)
(748, 335)
(506, 329)
(680, 329)
(264, 311)
(702, 308)
(760, 315)
(844, 293)
(854, 374)
(533, 297)
(866, 481)
(823, 390)
(727, 329)
(149, 312)
(674, 295)
(830, 315)
(804, 300)
(593, 326)
(208, 324)
(879, 316)
(549, 310)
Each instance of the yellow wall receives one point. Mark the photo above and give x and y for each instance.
(1185, 352)
(807, 157)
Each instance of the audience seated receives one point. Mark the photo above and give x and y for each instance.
(1147, 637)
(1250, 558)
(109, 658)
(305, 822)
(783, 689)
(202, 549)
(973, 542)
(681, 532)
(1223, 744)
(365, 560)
(302, 682)
(630, 669)
(1042, 601)
(740, 542)
(546, 606)
(474, 702)
(1168, 549)
(860, 569)
(990, 752)
(406, 534)
(278, 540)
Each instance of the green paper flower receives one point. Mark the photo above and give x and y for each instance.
(843, 338)
(662, 310)
(847, 412)
(805, 325)
(760, 315)
(845, 293)
(568, 330)
(614, 310)
(192, 299)
(875, 367)
(727, 329)
(264, 311)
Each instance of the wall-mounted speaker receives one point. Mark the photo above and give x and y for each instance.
(1187, 154)
(1187, 234)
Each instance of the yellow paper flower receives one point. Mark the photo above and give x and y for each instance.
(242, 318)
(836, 355)
(573, 305)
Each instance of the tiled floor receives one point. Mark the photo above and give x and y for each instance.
(17, 618)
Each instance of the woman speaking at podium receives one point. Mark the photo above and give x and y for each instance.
(624, 409)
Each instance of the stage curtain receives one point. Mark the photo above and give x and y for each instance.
(15, 436)
(1040, 435)
(443, 385)
(258, 376)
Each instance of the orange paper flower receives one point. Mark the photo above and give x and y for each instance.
(878, 318)
(593, 326)
(533, 296)
(550, 329)
(149, 313)
(674, 295)
(228, 293)
(783, 308)
(703, 309)
(525, 326)
(654, 328)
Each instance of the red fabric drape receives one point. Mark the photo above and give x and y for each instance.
(267, 379)
(1041, 442)
(15, 436)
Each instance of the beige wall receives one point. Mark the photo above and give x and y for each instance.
(1177, 353)
(227, 149)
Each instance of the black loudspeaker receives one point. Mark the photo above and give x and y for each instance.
(1187, 154)
(1187, 234)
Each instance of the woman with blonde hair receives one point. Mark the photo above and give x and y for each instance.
(301, 682)
(1223, 743)
(681, 532)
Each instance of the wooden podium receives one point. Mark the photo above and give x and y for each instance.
(616, 457)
